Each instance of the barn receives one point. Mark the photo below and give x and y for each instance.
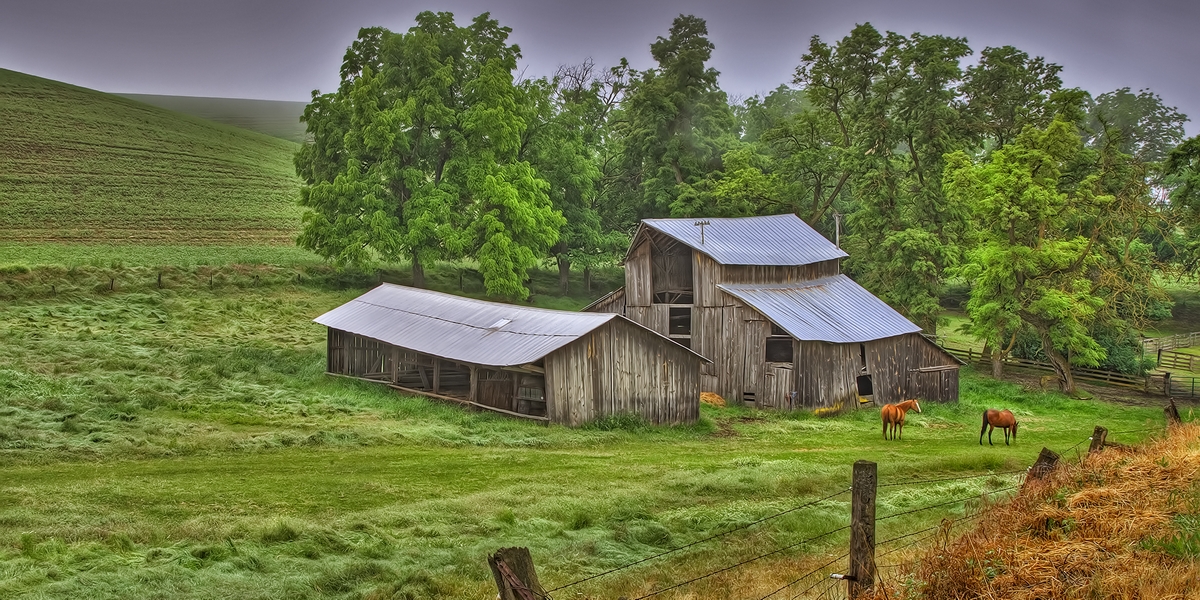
(764, 299)
(547, 365)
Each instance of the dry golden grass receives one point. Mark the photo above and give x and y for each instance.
(1089, 530)
(712, 398)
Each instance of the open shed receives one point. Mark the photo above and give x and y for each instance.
(549, 365)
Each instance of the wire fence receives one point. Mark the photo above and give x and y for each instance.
(818, 580)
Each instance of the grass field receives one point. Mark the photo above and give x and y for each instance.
(185, 443)
(276, 118)
(80, 167)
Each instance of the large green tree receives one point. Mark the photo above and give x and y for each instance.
(677, 123)
(416, 155)
(1058, 252)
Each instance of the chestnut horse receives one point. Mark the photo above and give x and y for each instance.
(1003, 419)
(893, 414)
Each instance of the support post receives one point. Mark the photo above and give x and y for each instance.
(473, 395)
(1098, 437)
(862, 529)
(1045, 463)
(395, 365)
(437, 376)
(515, 577)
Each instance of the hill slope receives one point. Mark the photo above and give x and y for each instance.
(276, 118)
(79, 166)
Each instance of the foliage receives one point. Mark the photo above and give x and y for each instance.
(1058, 252)
(1182, 170)
(416, 155)
(1140, 125)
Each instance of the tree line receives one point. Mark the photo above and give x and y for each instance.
(1060, 210)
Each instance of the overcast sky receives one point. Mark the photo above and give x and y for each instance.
(282, 50)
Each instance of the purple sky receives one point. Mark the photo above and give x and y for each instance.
(281, 50)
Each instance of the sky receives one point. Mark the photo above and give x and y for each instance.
(284, 49)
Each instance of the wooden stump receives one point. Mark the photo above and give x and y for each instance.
(862, 528)
(1171, 412)
(1045, 463)
(1098, 437)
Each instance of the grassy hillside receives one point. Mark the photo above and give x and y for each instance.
(276, 118)
(185, 443)
(81, 169)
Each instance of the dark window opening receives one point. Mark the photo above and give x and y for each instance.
(865, 388)
(779, 349)
(685, 341)
(679, 321)
(862, 354)
(777, 330)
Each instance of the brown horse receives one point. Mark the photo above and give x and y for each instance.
(893, 414)
(1003, 419)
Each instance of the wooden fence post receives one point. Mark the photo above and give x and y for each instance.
(1044, 464)
(1098, 437)
(1171, 412)
(515, 577)
(862, 529)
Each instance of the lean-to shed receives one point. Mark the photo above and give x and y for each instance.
(764, 299)
(557, 366)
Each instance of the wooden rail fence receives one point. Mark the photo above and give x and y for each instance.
(1178, 360)
(1164, 384)
(1171, 342)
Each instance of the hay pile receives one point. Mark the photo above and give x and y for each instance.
(711, 398)
(1106, 528)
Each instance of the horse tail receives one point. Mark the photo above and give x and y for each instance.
(1014, 431)
(984, 428)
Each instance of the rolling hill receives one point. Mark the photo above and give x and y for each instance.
(81, 169)
(276, 118)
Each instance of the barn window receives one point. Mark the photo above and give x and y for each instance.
(779, 349)
(679, 324)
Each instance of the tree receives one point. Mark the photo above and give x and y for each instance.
(1058, 249)
(1007, 90)
(1182, 177)
(1139, 124)
(677, 122)
(416, 155)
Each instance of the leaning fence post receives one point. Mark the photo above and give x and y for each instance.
(862, 528)
(1044, 464)
(1099, 435)
(1171, 412)
(515, 577)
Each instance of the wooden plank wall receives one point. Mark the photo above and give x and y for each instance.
(637, 276)
(613, 302)
(350, 354)
(708, 273)
(720, 335)
(891, 360)
(671, 264)
(826, 373)
(621, 368)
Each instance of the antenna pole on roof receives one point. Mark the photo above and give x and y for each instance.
(837, 235)
(701, 225)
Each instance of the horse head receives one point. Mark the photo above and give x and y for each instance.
(916, 407)
(1014, 430)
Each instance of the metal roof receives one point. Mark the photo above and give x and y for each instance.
(831, 309)
(781, 240)
(463, 329)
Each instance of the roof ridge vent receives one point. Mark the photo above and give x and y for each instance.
(500, 323)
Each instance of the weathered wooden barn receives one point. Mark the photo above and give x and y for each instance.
(557, 366)
(764, 299)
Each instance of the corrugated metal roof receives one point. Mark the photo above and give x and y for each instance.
(782, 240)
(830, 309)
(463, 329)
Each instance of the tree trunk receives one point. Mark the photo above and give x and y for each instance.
(418, 272)
(564, 274)
(997, 364)
(587, 279)
(1062, 366)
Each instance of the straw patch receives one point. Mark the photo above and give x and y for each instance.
(1113, 526)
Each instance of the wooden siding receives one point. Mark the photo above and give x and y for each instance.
(613, 302)
(708, 273)
(621, 368)
(637, 276)
(828, 373)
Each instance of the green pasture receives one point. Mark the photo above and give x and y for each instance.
(185, 443)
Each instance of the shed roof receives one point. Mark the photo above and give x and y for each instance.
(778, 240)
(463, 329)
(831, 309)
